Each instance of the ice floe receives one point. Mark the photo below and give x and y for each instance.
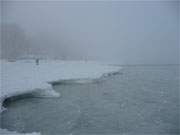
(23, 77)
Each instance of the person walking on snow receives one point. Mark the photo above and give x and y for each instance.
(37, 61)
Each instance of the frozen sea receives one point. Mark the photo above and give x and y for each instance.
(142, 100)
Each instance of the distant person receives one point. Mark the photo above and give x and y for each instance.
(37, 61)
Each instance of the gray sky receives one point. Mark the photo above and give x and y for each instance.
(122, 32)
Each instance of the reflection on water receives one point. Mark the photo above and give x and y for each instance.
(141, 100)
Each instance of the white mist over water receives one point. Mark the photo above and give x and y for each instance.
(139, 32)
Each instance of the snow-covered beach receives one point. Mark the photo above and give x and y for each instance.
(145, 95)
(22, 77)
(6, 132)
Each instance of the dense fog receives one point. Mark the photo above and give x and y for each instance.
(117, 32)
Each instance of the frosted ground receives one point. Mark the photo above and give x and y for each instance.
(23, 77)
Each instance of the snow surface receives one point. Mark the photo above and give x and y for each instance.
(6, 132)
(23, 77)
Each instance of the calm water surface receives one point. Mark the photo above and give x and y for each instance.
(139, 100)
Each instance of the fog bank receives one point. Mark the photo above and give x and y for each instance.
(118, 32)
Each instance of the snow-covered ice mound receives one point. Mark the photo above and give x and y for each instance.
(22, 77)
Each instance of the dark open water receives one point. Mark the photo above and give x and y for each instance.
(139, 100)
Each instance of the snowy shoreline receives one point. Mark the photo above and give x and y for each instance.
(24, 77)
(6, 132)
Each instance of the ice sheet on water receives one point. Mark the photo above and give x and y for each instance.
(20, 77)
